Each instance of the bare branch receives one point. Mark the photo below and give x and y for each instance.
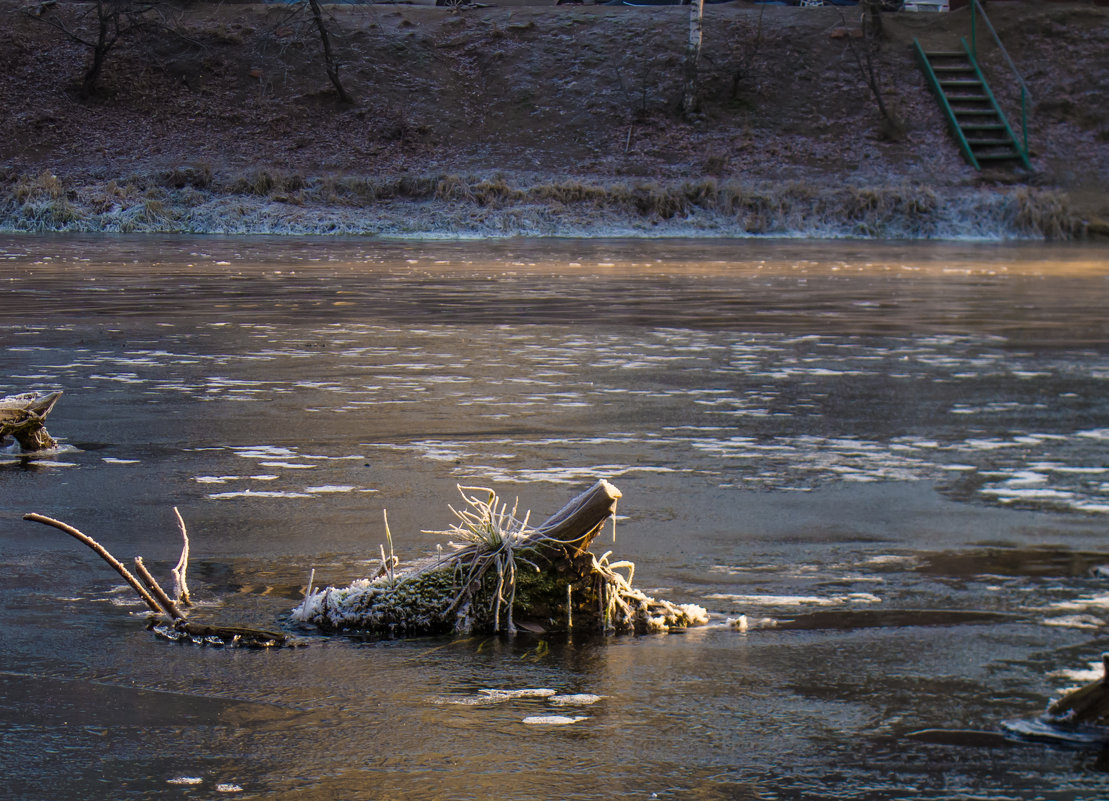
(102, 552)
(180, 585)
(156, 590)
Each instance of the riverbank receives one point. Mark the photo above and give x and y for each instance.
(540, 121)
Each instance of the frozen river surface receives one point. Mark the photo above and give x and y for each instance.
(899, 454)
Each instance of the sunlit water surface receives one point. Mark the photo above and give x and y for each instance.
(897, 453)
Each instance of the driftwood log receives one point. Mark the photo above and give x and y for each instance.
(502, 577)
(1086, 706)
(23, 417)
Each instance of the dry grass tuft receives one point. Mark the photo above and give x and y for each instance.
(1046, 214)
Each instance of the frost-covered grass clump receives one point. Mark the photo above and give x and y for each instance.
(504, 575)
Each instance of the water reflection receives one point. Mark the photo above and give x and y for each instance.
(890, 458)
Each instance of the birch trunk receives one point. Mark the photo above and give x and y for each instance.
(693, 57)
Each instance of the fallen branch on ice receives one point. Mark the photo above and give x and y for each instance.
(169, 621)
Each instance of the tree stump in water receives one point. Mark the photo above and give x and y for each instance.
(504, 576)
(1087, 705)
(23, 417)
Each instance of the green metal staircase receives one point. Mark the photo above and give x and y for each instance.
(976, 120)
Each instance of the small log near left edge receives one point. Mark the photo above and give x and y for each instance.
(167, 619)
(23, 417)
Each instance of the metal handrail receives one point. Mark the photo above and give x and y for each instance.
(934, 82)
(993, 101)
(1025, 94)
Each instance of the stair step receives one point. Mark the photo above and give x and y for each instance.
(981, 127)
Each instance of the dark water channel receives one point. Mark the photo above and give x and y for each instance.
(897, 453)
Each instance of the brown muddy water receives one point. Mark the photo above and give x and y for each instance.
(897, 453)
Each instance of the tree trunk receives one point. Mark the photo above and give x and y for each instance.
(330, 64)
(872, 19)
(107, 33)
(693, 57)
(1088, 705)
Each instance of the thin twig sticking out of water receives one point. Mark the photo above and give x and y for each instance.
(389, 539)
(180, 585)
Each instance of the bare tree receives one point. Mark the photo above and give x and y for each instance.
(744, 54)
(331, 64)
(99, 26)
(867, 52)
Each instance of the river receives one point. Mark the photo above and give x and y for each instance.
(892, 458)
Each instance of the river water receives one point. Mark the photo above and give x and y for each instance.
(891, 457)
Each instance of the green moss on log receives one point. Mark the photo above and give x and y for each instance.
(509, 577)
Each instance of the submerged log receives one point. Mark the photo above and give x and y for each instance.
(1086, 706)
(23, 417)
(504, 575)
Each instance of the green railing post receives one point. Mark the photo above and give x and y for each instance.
(976, 9)
(973, 29)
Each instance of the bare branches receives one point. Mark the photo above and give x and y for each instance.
(156, 590)
(110, 21)
(102, 552)
(867, 59)
(171, 622)
(331, 64)
(746, 53)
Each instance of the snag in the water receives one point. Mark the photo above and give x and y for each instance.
(169, 621)
(23, 417)
(505, 576)
(1087, 705)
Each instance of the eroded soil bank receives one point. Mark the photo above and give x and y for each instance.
(540, 120)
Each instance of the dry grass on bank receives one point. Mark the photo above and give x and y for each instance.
(199, 200)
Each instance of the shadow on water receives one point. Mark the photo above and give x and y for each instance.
(1036, 562)
(880, 618)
